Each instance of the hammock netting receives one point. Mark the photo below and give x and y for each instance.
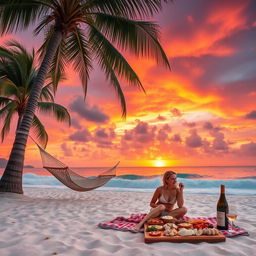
(71, 179)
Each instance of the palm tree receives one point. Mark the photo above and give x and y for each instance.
(17, 74)
(79, 32)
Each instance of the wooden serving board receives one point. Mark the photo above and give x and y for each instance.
(182, 239)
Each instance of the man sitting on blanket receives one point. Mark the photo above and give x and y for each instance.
(164, 199)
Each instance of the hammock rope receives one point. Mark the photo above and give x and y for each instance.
(68, 177)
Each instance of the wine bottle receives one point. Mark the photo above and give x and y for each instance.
(222, 210)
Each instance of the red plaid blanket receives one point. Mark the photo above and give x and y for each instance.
(127, 224)
(122, 223)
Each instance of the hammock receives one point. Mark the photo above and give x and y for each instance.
(71, 179)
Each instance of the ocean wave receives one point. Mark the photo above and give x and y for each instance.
(33, 179)
(189, 183)
(211, 191)
(136, 177)
(141, 177)
(247, 177)
(243, 186)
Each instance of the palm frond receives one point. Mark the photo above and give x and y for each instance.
(16, 64)
(8, 88)
(141, 37)
(44, 22)
(9, 68)
(47, 38)
(78, 52)
(5, 53)
(58, 66)
(56, 73)
(39, 131)
(6, 109)
(109, 55)
(16, 48)
(9, 112)
(47, 93)
(110, 60)
(115, 83)
(19, 14)
(58, 111)
(23, 60)
(125, 8)
(30, 80)
(4, 101)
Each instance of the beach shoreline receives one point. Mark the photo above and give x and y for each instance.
(65, 222)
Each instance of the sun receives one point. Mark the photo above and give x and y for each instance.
(159, 163)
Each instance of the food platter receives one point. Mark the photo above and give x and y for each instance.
(181, 232)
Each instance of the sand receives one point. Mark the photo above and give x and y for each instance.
(63, 222)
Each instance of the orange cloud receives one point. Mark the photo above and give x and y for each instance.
(222, 21)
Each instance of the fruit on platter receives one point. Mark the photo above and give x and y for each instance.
(155, 221)
(154, 233)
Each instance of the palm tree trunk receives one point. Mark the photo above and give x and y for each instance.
(19, 121)
(11, 180)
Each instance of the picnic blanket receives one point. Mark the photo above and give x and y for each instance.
(127, 224)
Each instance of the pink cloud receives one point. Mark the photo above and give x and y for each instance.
(219, 142)
(194, 140)
(176, 138)
(104, 137)
(251, 115)
(163, 133)
(176, 112)
(81, 136)
(66, 149)
(248, 150)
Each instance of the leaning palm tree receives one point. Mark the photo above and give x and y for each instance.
(80, 32)
(17, 74)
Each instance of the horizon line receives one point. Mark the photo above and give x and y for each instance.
(158, 167)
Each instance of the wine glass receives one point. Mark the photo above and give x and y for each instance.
(232, 216)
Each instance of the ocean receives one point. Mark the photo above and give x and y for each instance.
(239, 180)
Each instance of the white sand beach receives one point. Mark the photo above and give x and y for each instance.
(63, 222)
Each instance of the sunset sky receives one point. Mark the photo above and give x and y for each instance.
(202, 112)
